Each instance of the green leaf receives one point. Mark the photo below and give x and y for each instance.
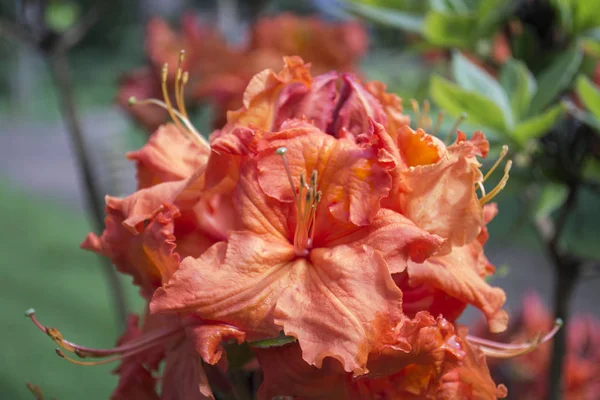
(520, 86)
(279, 341)
(565, 14)
(237, 354)
(589, 94)
(551, 197)
(556, 78)
(449, 30)
(586, 15)
(537, 126)
(387, 16)
(472, 78)
(60, 16)
(455, 100)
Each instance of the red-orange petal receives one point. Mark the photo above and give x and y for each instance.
(339, 304)
(207, 339)
(168, 156)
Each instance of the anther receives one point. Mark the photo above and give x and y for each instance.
(452, 131)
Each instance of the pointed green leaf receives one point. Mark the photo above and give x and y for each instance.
(537, 126)
(556, 78)
(519, 84)
(278, 341)
(455, 100)
(551, 197)
(589, 94)
(449, 30)
(387, 16)
(473, 78)
(586, 14)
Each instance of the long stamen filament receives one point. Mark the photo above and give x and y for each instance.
(498, 161)
(457, 123)
(196, 137)
(507, 350)
(165, 92)
(415, 107)
(438, 123)
(494, 192)
(141, 344)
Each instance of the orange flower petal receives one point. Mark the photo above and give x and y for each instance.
(262, 94)
(236, 283)
(349, 177)
(392, 107)
(207, 339)
(472, 380)
(418, 148)
(168, 156)
(396, 237)
(184, 376)
(460, 274)
(356, 106)
(442, 196)
(338, 306)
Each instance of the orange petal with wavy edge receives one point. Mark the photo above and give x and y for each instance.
(460, 274)
(314, 104)
(392, 107)
(339, 305)
(423, 340)
(148, 255)
(442, 196)
(396, 237)
(418, 148)
(262, 94)
(472, 380)
(168, 156)
(235, 282)
(208, 338)
(184, 376)
(356, 106)
(349, 176)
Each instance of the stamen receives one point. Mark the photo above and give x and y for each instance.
(507, 350)
(494, 192)
(142, 343)
(503, 153)
(482, 188)
(306, 200)
(180, 116)
(425, 120)
(415, 107)
(457, 123)
(438, 123)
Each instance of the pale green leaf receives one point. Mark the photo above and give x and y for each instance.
(537, 126)
(473, 78)
(279, 341)
(520, 86)
(455, 100)
(556, 78)
(589, 94)
(390, 17)
(449, 30)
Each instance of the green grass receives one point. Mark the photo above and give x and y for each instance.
(43, 267)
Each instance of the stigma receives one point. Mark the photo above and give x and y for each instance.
(306, 199)
(495, 349)
(141, 344)
(179, 116)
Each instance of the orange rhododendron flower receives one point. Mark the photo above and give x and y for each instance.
(218, 73)
(315, 213)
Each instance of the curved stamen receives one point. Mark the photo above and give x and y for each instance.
(457, 123)
(144, 342)
(494, 192)
(438, 123)
(508, 350)
(503, 153)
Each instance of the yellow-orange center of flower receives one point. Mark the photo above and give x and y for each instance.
(306, 199)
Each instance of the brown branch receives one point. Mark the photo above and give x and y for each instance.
(566, 274)
(57, 59)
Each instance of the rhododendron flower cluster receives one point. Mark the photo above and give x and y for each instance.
(527, 374)
(218, 72)
(317, 226)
